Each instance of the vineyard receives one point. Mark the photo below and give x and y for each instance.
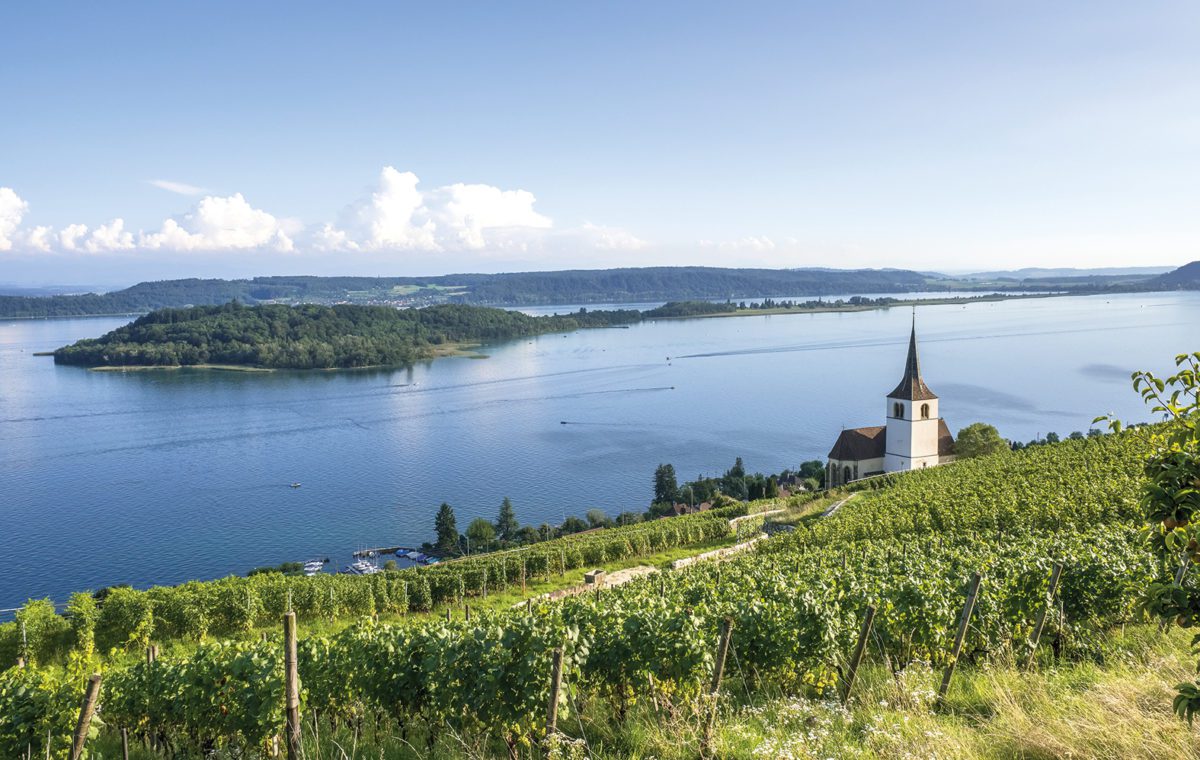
(907, 549)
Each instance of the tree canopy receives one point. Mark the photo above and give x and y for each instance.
(979, 439)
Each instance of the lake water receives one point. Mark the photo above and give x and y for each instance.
(141, 477)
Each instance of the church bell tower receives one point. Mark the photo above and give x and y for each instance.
(913, 423)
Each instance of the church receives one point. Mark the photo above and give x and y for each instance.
(915, 435)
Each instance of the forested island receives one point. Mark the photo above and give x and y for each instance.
(314, 337)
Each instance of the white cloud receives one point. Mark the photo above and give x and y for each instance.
(393, 216)
(463, 213)
(179, 188)
(71, 235)
(110, 237)
(218, 224)
(396, 215)
(12, 209)
(610, 238)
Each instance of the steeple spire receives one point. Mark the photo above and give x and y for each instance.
(912, 387)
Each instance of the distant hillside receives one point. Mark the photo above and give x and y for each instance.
(1186, 277)
(522, 288)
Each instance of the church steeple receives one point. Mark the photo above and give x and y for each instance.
(912, 387)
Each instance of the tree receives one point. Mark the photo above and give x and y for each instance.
(666, 489)
(528, 535)
(977, 440)
(573, 525)
(506, 524)
(597, 518)
(1171, 500)
(628, 518)
(815, 469)
(480, 533)
(1052, 438)
(447, 529)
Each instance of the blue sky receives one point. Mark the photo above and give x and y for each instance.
(388, 138)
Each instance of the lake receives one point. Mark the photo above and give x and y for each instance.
(163, 476)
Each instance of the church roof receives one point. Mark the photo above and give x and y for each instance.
(860, 443)
(857, 444)
(945, 440)
(912, 387)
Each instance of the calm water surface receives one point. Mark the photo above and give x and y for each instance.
(143, 477)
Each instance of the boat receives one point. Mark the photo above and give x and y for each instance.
(314, 566)
(295, 485)
(363, 568)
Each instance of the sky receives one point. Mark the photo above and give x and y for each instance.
(220, 139)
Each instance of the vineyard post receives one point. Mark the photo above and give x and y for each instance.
(124, 744)
(1055, 575)
(528, 606)
(447, 614)
(562, 562)
(556, 669)
(860, 649)
(715, 685)
(86, 710)
(151, 656)
(963, 623)
(291, 686)
(522, 576)
(466, 612)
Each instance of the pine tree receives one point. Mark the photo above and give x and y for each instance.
(507, 524)
(447, 528)
(666, 489)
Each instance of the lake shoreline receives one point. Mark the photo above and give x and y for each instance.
(446, 350)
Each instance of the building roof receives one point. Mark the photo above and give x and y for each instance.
(945, 440)
(912, 387)
(860, 443)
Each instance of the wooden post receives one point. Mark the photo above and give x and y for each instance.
(86, 710)
(555, 687)
(467, 612)
(1055, 575)
(151, 657)
(528, 606)
(447, 614)
(291, 686)
(860, 649)
(963, 622)
(124, 744)
(522, 577)
(715, 685)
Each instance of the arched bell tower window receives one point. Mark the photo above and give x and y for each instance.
(924, 411)
(897, 410)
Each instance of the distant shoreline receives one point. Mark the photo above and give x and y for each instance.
(463, 350)
(833, 308)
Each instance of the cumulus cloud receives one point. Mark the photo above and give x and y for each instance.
(399, 215)
(218, 224)
(395, 215)
(12, 209)
(179, 188)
